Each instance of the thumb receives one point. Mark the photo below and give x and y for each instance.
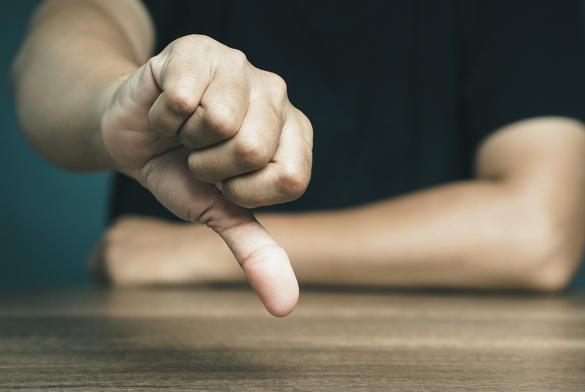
(264, 262)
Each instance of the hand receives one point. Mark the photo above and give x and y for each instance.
(208, 134)
(148, 251)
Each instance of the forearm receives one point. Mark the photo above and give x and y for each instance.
(477, 233)
(519, 223)
(74, 51)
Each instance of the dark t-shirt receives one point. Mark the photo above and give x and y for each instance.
(400, 93)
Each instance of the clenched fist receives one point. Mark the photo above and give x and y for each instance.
(210, 135)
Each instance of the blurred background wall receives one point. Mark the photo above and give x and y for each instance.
(49, 218)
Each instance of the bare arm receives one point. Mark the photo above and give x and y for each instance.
(518, 224)
(73, 52)
(199, 126)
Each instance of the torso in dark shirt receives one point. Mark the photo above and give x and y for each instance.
(400, 93)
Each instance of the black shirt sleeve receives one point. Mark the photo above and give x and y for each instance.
(525, 58)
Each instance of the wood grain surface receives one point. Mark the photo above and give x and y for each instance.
(222, 339)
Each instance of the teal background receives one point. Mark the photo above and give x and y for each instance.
(49, 218)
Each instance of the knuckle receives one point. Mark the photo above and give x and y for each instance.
(158, 61)
(182, 101)
(222, 120)
(291, 182)
(305, 122)
(211, 215)
(250, 154)
(306, 125)
(239, 57)
(188, 41)
(278, 85)
(191, 45)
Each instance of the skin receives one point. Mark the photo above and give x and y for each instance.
(519, 223)
(205, 131)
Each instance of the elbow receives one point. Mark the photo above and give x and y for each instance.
(551, 276)
(551, 259)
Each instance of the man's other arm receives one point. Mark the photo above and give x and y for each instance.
(520, 223)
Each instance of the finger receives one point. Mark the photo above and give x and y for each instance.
(183, 79)
(286, 177)
(223, 106)
(264, 262)
(142, 87)
(250, 149)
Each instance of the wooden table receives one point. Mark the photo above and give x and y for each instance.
(209, 339)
